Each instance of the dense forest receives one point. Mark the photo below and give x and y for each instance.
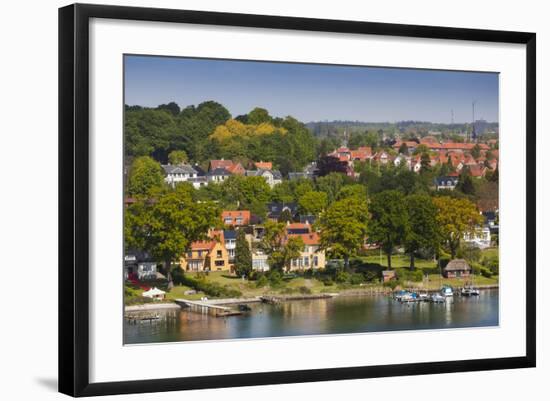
(208, 131)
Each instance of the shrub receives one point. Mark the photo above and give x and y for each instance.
(304, 290)
(327, 281)
(341, 276)
(356, 279)
(262, 282)
(275, 279)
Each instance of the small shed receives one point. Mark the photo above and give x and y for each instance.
(388, 275)
(154, 293)
(457, 268)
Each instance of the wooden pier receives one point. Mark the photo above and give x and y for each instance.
(206, 307)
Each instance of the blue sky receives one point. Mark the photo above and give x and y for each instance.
(313, 92)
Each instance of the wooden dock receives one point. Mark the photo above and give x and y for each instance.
(207, 307)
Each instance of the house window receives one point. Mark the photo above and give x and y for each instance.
(219, 263)
(219, 254)
(306, 261)
(239, 221)
(228, 220)
(315, 261)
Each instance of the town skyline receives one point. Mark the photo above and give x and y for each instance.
(315, 93)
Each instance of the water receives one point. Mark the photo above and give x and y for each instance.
(321, 316)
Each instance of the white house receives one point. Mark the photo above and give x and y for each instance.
(481, 238)
(230, 240)
(181, 173)
(218, 175)
(272, 177)
(259, 261)
(140, 266)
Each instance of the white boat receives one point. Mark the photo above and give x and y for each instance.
(469, 291)
(438, 298)
(447, 291)
(423, 296)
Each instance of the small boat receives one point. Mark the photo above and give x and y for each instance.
(398, 295)
(409, 297)
(423, 296)
(447, 291)
(438, 299)
(469, 291)
(244, 308)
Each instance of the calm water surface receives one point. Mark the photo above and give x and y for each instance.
(322, 316)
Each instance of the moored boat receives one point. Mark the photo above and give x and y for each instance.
(447, 291)
(469, 291)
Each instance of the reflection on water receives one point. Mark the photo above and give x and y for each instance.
(321, 316)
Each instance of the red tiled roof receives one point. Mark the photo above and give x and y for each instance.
(201, 245)
(214, 164)
(234, 214)
(309, 239)
(264, 165)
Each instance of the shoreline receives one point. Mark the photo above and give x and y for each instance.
(166, 305)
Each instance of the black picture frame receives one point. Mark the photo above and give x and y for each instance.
(74, 198)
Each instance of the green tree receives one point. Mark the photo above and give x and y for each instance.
(247, 192)
(344, 227)
(285, 216)
(243, 257)
(389, 225)
(167, 226)
(424, 228)
(353, 190)
(280, 248)
(465, 183)
(147, 132)
(331, 184)
(176, 157)
(425, 163)
(404, 149)
(456, 217)
(259, 116)
(172, 107)
(145, 176)
(421, 149)
(313, 202)
(476, 151)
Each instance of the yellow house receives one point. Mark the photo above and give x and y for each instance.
(311, 256)
(205, 256)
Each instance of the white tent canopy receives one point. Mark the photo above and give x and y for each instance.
(154, 293)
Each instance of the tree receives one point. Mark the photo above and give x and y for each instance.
(313, 202)
(285, 216)
(353, 190)
(176, 157)
(404, 149)
(421, 149)
(456, 217)
(465, 183)
(389, 223)
(258, 116)
(330, 164)
(331, 184)
(291, 250)
(145, 175)
(424, 228)
(172, 107)
(476, 151)
(280, 248)
(167, 226)
(344, 227)
(425, 163)
(147, 132)
(243, 257)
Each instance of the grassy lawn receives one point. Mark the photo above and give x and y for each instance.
(296, 284)
(398, 261)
